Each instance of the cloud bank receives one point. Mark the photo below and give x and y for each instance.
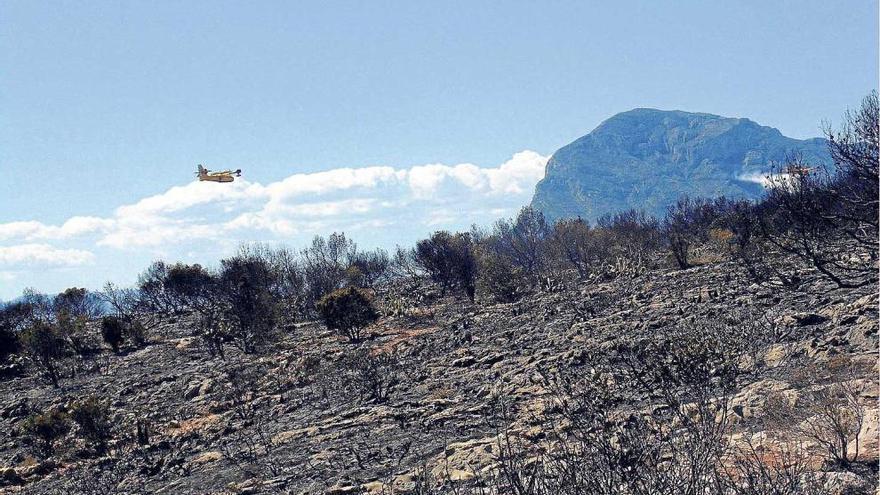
(42, 255)
(382, 203)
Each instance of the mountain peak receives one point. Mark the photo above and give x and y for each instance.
(646, 158)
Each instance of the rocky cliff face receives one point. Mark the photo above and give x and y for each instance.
(648, 158)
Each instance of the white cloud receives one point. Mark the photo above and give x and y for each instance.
(331, 181)
(74, 226)
(23, 230)
(195, 193)
(513, 176)
(158, 233)
(434, 195)
(43, 255)
(77, 226)
(519, 174)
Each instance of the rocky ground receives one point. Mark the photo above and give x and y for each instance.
(300, 423)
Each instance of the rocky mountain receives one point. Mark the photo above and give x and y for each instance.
(647, 158)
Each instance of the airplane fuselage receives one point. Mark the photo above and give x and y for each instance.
(216, 178)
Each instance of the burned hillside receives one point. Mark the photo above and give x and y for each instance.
(727, 348)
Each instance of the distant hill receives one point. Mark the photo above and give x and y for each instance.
(647, 158)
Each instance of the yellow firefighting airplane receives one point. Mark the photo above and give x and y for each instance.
(222, 176)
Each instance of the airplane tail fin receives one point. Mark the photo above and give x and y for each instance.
(202, 170)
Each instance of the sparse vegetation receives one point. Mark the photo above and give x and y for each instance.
(245, 285)
(113, 331)
(43, 429)
(348, 311)
(92, 416)
(71, 311)
(13, 318)
(372, 375)
(449, 261)
(44, 346)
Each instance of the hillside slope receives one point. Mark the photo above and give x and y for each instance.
(298, 427)
(647, 159)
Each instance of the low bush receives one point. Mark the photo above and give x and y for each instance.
(246, 285)
(374, 376)
(13, 317)
(359, 375)
(44, 346)
(500, 279)
(113, 331)
(93, 418)
(241, 386)
(449, 261)
(43, 429)
(348, 311)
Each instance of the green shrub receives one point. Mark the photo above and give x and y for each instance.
(246, 287)
(44, 428)
(93, 418)
(72, 310)
(500, 278)
(449, 260)
(13, 317)
(347, 311)
(45, 347)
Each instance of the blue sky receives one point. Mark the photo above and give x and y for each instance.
(108, 106)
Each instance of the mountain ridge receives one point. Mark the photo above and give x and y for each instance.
(646, 158)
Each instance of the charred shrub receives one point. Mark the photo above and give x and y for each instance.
(367, 268)
(362, 375)
(184, 283)
(113, 331)
(325, 265)
(8, 342)
(828, 415)
(688, 223)
(152, 290)
(827, 219)
(575, 244)
(129, 307)
(595, 439)
(199, 291)
(240, 388)
(632, 239)
(523, 242)
(347, 311)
